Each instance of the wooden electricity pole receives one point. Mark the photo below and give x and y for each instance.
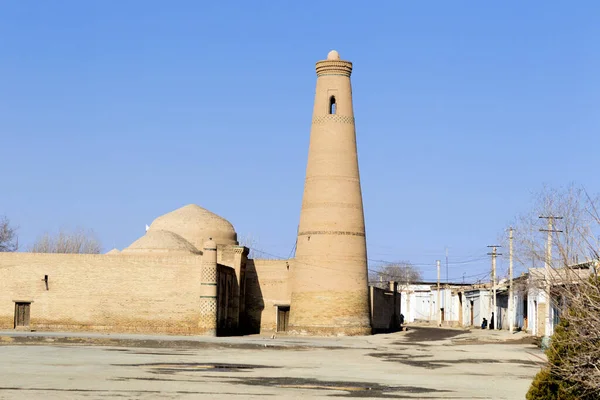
(511, 302)
(547, 267)
(447, 281)
(494, 254)
(438, 305)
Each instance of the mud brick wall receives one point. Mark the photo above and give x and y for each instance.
(106, 293)
(267, 285)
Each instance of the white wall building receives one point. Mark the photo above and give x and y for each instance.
(419, 303)
(477, 305)
(415, 302)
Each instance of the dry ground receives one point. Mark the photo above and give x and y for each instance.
(423, 363)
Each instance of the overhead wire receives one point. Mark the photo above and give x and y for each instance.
(369, 269)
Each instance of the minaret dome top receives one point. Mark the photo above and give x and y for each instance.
(333, 55)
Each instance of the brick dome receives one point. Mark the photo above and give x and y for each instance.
(196, 225)
(161, 242)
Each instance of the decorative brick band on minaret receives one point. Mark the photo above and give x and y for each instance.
(208, 290)
(334, 67)
(329, 272)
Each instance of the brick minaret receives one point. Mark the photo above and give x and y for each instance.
(330, 286)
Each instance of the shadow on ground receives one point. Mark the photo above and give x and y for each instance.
(337, 388)
(420, 334)
(420, 361)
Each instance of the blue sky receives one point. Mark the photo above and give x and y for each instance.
(113, 113)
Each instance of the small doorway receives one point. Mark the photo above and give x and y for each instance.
(22, 312)
(472, 314)
(283, 316)
(534, 318)
(460, 309)
(525, 326)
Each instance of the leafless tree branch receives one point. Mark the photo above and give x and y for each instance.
(572, 275)
(76, 242)
(402, 272)
(8, 235)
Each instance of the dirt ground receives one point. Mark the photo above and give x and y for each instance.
(423, 363)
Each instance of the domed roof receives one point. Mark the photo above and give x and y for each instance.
(196, 225)
(333, 55)
(157, 241)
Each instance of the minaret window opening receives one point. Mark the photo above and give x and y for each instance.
(332, 105)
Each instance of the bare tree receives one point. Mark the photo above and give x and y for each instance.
(402, 272)
(8, 235)
(578, 226)
(76, 242)
(573, 370)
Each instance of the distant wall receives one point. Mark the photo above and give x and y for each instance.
(267, 285)
(116, 293)
(385, 310)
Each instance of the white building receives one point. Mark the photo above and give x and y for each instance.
(469, 305)
(415, 302)
(530, 299)
(477, 305)
(419, 302)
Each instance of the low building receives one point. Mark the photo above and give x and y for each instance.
(477, 305)
(540, 322)
(419, 303)
(530, 299)
(415, 302)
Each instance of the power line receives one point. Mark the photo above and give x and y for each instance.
(471, 276)
(468, 261)
(370, 269)
(278, 257)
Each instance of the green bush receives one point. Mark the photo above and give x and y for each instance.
(574, 350)
(547, 385)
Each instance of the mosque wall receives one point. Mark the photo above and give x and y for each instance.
(267, 286)
(113, 293)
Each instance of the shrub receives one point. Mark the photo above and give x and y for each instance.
(549, 383)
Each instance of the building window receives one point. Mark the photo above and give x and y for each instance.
(332, 105)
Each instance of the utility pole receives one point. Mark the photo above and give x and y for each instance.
(511, 302)
(407, 301)
(494, 254)
(547, 267)
(447, 265)
(439, 310)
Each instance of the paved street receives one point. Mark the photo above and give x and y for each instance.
(423, 363)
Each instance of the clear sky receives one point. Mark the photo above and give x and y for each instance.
(115, 112)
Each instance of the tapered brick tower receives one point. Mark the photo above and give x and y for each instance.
(329, 276)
